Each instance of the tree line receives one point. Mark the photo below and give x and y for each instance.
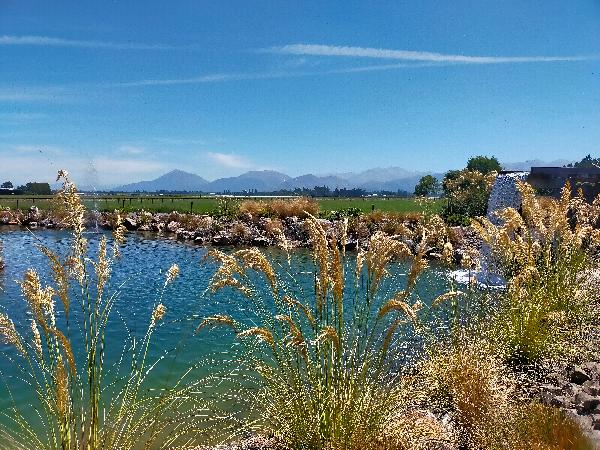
(31, 188)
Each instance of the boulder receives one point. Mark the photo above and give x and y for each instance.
(34, 213)
(592, 368)
(586, 403)
(351, 244)
(596, 422)
(130, 223)
(222, 238)
(585, 422)
(261, 241)
(551, 388)
(591, 387)
(579, 375)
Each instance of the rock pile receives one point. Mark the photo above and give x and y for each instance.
(575, 389)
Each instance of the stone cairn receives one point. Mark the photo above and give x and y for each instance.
(505, 194)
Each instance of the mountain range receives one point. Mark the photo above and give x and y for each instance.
(389, 179)
(371, 180)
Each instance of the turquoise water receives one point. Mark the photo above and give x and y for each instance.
(139, 277)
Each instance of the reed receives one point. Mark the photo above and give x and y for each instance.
(320, 366)
(81, 402)
(545, 252)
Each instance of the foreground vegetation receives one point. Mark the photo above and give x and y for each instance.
(355, 358)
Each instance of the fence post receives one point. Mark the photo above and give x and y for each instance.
(191, 207)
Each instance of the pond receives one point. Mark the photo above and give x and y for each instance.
(139, 277)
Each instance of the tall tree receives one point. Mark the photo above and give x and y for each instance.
(427, 186)
(484, 164)
(588, 162)
(36, 188)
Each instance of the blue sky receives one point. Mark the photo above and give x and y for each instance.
(121, 91)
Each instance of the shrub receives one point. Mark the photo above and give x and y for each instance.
(298, 207)
(400, 224)
(227, 207)
(273, 227)
(458, 220)
(468, 380)
(467, 192)
(280, 208)
(545, 428)
(240, 231)
(254, 208)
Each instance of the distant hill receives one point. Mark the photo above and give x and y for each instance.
(175, 181)
(310, 181)
(403, 184)
(382, 175)
(262, 180)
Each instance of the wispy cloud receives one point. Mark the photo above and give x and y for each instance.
(229, 77)
(131, 149)
(409, 55)
(407, 60)
(47, 41)
(229, 160)
(13, 118)
(32, 94)
(210, 78)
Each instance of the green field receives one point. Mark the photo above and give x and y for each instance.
(201, 205)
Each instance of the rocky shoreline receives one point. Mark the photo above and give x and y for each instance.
(258, 231)
(574, 389)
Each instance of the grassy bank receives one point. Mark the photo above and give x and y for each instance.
(206, 205)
